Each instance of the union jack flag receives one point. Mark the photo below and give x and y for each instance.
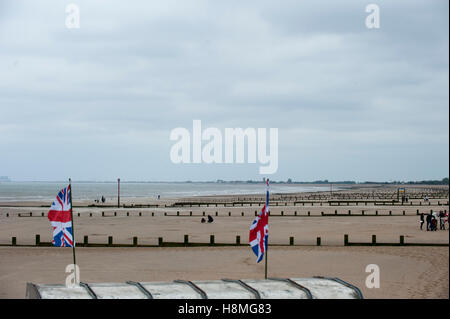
(259, 230)
(60, 216)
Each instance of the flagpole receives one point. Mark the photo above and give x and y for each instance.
(73, 232)
(267, 242)
(267, 248)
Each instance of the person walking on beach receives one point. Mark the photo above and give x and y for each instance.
(422, 220)
(434, 224)
(441, 220)
(428, 222)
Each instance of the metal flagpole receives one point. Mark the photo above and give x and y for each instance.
(266, 257)
(267, 242)
(73, 232)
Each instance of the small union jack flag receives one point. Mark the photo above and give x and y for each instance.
(60, 216)
(259, 230)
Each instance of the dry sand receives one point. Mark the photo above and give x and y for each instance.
(405, 272)
(305, 230)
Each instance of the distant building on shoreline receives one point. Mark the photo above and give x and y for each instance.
(4, 179)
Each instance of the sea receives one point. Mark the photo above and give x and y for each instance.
(37, 191)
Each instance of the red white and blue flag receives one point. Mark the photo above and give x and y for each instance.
(259, 230)
(60, 216)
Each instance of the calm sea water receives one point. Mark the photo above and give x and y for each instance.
(27, 191)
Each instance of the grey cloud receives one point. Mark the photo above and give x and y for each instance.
(132, 73)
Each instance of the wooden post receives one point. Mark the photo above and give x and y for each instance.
(118, 192)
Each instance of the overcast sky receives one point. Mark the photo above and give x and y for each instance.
(99, 102)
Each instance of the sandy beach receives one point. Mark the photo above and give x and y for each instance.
(406, 272)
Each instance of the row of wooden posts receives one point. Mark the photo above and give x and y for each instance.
(212, 242)
(297, 203)
(349, 213)
(351, 196)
